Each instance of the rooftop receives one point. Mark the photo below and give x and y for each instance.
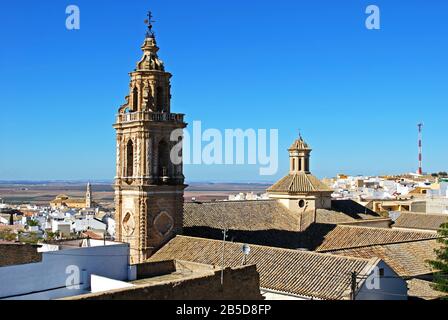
(422, 221)
(408, 259)
(267, 215)
(300, 273)
(347, 237)
(421, 289)
(299, 183)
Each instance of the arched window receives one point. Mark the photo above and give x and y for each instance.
(300, 164)
(135, 99)
(160, 99)
(164, 158)
(129, 159)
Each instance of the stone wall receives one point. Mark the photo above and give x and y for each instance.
(14, 254)
(242, 283)
(154, 269)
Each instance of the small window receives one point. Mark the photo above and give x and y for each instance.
(381, 272)
(160, 99)
(301, 203)
(130, 159)
(135, 99)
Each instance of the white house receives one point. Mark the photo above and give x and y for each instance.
(65, 270)
(63, 227)
(88, 223)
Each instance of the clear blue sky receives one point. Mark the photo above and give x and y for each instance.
(356, 94)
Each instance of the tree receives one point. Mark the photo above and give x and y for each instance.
(441, 263)
(32, 223)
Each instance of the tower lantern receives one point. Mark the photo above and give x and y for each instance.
(299, 156)
(300, 191)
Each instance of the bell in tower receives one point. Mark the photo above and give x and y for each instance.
(149, 186)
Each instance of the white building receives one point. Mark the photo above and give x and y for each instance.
(62, 227)
(65, 270)
(88, 223)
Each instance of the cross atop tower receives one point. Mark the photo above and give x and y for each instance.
(150, 33)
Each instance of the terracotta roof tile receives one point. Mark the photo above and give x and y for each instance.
(240, 215)
(423, 290)
(408, 259)
(299, 183)
(302, 273)
(423, 221)
(346, 237)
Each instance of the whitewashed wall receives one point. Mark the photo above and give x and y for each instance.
(392, 287)
(47, 279)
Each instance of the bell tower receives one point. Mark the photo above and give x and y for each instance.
(149, 182)
(299, 157)
(89, 196)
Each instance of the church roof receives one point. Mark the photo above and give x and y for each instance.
(299, 183)
(299, 144)
(240, 215)
(302, 273)
(267, 215)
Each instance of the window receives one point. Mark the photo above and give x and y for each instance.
(160, 99)
(302, 203)
(300, 164)
(135, 99)
(381, 272)
(129, 159)
(164, 158)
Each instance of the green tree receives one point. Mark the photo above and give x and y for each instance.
(33, 223)
(441, 262)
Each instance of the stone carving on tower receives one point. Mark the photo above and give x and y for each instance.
(300, 191)
(149, 186)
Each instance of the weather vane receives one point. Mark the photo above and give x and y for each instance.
(149, 23)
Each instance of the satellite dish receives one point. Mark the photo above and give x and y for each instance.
(245, 249)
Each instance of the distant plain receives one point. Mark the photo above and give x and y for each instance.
(41, 193)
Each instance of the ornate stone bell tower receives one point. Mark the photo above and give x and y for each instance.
(149, 183)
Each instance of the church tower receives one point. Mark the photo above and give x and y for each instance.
(149, 183)
(300, 191)
(89, 196)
